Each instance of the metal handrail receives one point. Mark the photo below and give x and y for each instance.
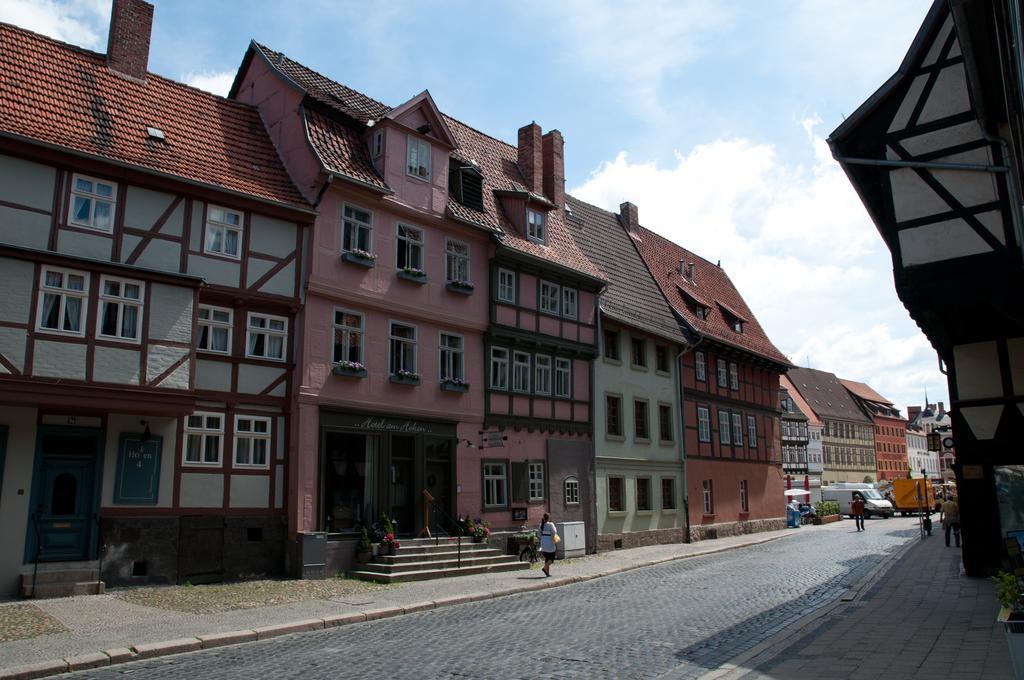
(35, 564)
(436, 507)
(101, 548)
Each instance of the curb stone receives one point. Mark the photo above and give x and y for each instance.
(264, 632)
(148, 650)
(84, 662)
(119, 655)
(34, 670)
(382, 613)
(345, 619)
(229, 638)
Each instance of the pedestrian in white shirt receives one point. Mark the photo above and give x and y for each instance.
(548, 539)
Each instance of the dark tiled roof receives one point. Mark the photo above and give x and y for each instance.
(632, 296)
(710, 282)
(338, 141)
(825, 394)
(63, 95)
(865, 392)
(799, 400)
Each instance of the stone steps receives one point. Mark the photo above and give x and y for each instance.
(61, 579)
(420, 560)
(428, 574)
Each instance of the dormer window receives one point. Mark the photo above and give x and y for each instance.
(737, 326)
(535, 226)
(466, 185)
(377, 144)
(701, 312)
(418, 155)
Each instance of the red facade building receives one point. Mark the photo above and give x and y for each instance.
(890, 430)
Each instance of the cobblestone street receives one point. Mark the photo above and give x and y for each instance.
(688, 617)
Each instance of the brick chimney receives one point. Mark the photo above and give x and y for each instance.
(630, 216)
(131, 22)
(554, 168)
(530, 157)
(913, 412)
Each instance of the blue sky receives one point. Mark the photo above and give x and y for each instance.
(710, 115)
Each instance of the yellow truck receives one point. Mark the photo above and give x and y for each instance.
(905, 494)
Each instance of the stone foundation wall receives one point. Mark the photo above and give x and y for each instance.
(140, 550)
(635, 539)
(703, 532)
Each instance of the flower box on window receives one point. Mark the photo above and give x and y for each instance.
(454, 385)
(405, 378)
(461, 287)
(412, 274)
(353, 369)
(360, 257)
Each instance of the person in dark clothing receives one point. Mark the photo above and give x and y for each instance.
(857, 509)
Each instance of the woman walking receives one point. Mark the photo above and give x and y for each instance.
(548, 539)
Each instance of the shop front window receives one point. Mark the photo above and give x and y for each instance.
(349, 480)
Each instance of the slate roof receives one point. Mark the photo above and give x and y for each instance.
(710, 282)
(336, 133)
(825, 394)
(798, 400)
(63, 95)
(864, 392)
(632, 296)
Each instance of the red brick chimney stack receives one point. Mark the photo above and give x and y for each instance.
(131, 22)
(530, 157)
(913, 412)
(630, 216)
(554, 168)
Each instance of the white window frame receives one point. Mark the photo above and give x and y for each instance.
(223, 226)
(536, 226)
(412, 246)
(95, 198)
(63, 293)
(752, 432)
(520, 369)
(632, 352)
(211, 325)
(203, 431)
(737, 429)
(707, 491)
(499, 369)
(422, 150)
(570, 303)
(549, 297)
(395, 340)
(506, 286)
(347, 332)
(721, 371)
(563, 376)
(377, 144)
(700, 366)
(352, 226)
(268, 333)
(451, 359)
(495, 484)
(252, 436)
(724, 428)
(456, 264)
(571, 488)
(734, 376)
(703, 424)
(535, 474)
(122, 303)
(542, 375)
(744, 497)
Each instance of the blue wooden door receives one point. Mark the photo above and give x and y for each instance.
(64, 507)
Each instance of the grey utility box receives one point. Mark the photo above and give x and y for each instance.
(574, 540)
(313, 555)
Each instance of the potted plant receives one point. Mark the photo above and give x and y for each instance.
(404, 377)
(461, 287)
(1010, 593)
(414, 274)
(454, 385)
(349, 368)
(482, 532)
(390, 544)
(363, 548)
(826, 512)
(360, 257)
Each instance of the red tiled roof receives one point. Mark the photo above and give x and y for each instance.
(709, 282)
(338, 142)
(864, 392)
(799, 400)
(63, 95)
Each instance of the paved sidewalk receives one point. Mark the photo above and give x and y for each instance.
(919, 619)
(107, 629)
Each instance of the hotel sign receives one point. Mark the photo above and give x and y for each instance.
(401, 427)
(376, 424)
(138, 470)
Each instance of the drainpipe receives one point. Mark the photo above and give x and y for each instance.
(682, 439)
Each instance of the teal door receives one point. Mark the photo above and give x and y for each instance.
(62, 526)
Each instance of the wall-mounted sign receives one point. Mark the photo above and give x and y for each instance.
(493, 440)
(947, 442)
(973, 472)
(518, 514)
(137, 480)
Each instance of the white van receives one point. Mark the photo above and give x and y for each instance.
(875, 504)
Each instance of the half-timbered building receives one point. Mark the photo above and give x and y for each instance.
(151, 282)
(890, 430)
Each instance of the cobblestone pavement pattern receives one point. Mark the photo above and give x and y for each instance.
(690, 615)
(20, 621)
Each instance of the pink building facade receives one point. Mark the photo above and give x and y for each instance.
(395, 397)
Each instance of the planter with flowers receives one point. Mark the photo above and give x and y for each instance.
(352, 369)
(454, 385)
(1010, 593)
(403, 377)
(360, 257)
(478, 529)
(460, 287)
(413, 274)
(390, 544)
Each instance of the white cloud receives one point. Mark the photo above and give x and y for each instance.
(217, 82)
(799, 246)
(80, 22)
